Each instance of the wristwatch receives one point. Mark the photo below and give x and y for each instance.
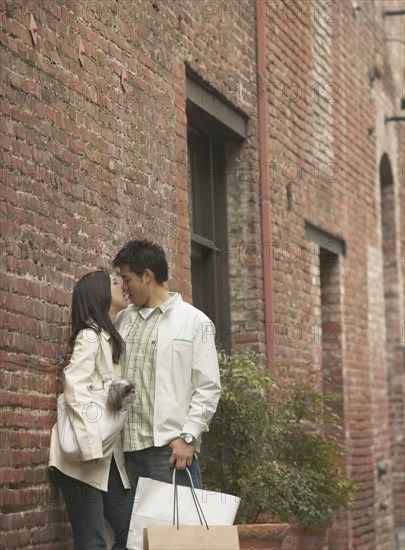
(188, 438)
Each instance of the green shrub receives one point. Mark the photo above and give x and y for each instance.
(275, 443)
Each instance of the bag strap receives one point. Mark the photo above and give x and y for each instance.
(176, 517)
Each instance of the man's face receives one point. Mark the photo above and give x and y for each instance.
(136, 287)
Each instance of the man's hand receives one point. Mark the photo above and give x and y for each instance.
(182, 455)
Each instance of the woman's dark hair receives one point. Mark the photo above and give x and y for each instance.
(143, 254)
(91, 301)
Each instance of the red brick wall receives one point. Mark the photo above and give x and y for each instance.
(390, 203)
(88, 165)
(331, 136)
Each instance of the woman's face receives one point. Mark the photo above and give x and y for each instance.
(118, 299)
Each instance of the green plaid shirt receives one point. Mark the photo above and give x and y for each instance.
(138, 363)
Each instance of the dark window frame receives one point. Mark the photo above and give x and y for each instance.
(213, 116)
(208, 227)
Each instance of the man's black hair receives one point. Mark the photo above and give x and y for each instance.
(143, 254)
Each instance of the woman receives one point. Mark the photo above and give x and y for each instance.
(95, 487)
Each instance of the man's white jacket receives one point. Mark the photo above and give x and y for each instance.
(187, 388)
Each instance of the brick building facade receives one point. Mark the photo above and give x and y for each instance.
(133, 118)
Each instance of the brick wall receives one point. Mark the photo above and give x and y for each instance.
(88, 164)
(390, 236)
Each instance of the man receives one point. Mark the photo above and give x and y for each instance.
(170, 354)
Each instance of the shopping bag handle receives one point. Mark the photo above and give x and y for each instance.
(176, 518)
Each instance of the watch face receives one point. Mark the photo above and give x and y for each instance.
(188, 438)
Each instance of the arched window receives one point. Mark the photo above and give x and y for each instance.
(392, 300)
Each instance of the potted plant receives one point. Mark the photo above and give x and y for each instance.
(274, 441)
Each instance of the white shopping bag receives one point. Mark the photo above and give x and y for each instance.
(109, 535)
(154, 506)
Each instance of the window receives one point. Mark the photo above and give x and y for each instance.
(207, 200)
(395, 348)
(331, 251)
(211, 125)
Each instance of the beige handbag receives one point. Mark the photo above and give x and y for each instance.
(110, 422)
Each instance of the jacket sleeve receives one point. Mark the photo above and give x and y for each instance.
(205, 379)
(79, 375)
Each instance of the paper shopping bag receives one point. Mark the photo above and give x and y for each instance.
(191, 537)
(154, 506)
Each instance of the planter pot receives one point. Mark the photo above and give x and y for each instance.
(304, 540)
(280, 536)
(263, 536)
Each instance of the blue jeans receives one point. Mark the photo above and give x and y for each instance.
(87, 507)
(153, 462)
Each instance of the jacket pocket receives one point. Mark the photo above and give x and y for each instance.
(182, 356)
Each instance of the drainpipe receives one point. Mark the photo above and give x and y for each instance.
(265, 183)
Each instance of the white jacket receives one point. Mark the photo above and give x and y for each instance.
(83, 374)
(187, 388)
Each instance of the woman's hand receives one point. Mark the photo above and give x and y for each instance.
(92, 461)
